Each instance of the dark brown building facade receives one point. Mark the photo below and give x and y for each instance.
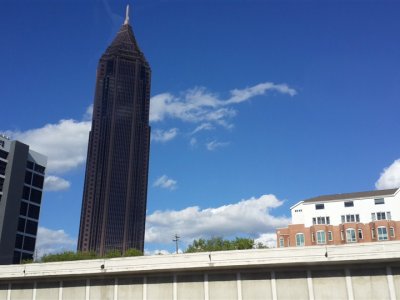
(115, 192)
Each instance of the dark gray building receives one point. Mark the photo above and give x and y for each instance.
(115, 191)
(21, 186)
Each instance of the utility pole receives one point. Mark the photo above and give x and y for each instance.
(176, 239)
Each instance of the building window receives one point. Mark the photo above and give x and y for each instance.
(381, 216)
(341, 235)
(350, 218)
(321, 238)
(391, 231)
(349, 204)
(360, 234)
(321, 220)
(281, 242)
(312, 237)
(330, 236)
(382, 234)
(379, 201)
(319, 206)
(299, 239)
(351, 235)
(373, 233)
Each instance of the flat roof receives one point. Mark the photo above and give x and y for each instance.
(356, 195)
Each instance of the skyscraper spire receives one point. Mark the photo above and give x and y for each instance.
(127, 16)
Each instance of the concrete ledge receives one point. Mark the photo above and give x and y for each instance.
(266, 258)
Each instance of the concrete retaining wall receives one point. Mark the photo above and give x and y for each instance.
(241, 275)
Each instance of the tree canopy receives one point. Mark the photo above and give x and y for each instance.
(220, 244)
(71, 255)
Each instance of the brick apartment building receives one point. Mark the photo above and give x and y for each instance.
(343, 218)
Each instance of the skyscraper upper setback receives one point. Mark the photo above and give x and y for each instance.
(115, 191)
(21, 186)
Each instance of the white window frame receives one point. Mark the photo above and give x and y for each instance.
(320, 234)
(330, 236)
(281, 242)
(382, 236)
(351, 236)
(299, 243)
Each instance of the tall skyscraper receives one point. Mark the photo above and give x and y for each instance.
(21, 184)
(115, 192)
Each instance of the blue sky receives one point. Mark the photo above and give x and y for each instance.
(256, 105)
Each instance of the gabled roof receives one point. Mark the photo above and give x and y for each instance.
(350, 196)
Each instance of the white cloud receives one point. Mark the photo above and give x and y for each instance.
(165, 183)
(64, 143)
(390, 177)
(193, 142)
(249, 217)
(211, 146)
(89, 113)
(198, 105)
(203, 126)
(53, 241)
(267, 239)
(159, 135)
(54, 183)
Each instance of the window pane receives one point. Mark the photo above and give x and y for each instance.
(3, 166)
(350, 235)
(29, 243)
(391, 230)
(38, 181)
(21, 224)
(18, 241)
(321, 239)
(33, 211)
(360, 234)
(39, 168)
(348, 204)
(382, 234)
(28, 177)
(36, 196)
(380, 201)
(373, 217)
(23, 209)
(358, 218)
(299, 239)
(26, 192)
(388, 215)
(319, 206)
(330, 237)
(29, 165)
(31, 227)
(343, 219)
(328, 221)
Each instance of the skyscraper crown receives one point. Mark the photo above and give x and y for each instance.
(124, 44)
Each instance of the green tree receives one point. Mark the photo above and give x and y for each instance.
(220, 244)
